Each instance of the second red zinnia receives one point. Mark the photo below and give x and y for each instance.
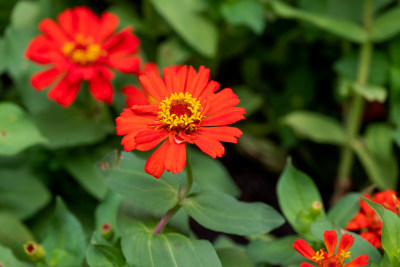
(188, 110)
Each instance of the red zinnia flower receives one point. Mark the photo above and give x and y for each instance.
(187, 110)
(82, 46)
(368, 222)
(330, 259)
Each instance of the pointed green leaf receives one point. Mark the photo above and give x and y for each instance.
(104, 256)
(345, 210)
(383, 27)
(223, 213)
(144, 248)
(316, 127)
(17, 131)
(130, 180)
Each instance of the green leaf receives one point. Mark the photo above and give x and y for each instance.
(377, 155)
(223, 213)
(107, 211)
(3, 63)
(81, 165)
(171, 52)
(64, 237)
(25, 15)
(345, 210)
(383, 27)
(371, 92)
(343, 28)
(359, 247)
(196, 30)
(214, 177)
(244, 12)
(144, 248)
(233, 257)
(21, 193)
(277, 252)
(390, 231)
(130, 180)
(13, 234)
(316, 127)
(7, 257)
(17, 131)
(296, 195)
(104, 256)
(71, 127)
(249, 100)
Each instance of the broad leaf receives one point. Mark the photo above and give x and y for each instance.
(172, 52)
(130, 180)
(316, 127)
(143, 248)
(345, 210)
(296, 195)
(21, 193)
(17, 130)
(7, 257)
(25, 15)
(223, 213)
(233, 257)
(383, 27)
(104, 256)
(196, 30)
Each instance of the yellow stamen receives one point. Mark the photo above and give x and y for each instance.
(68, 47)
(83, 54)
(345, 254)
(319, 256)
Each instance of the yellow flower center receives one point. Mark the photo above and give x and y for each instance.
(83, 51)
(180, 112)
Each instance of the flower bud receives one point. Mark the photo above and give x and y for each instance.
(107, 231)
(316, 208)
(34, 250)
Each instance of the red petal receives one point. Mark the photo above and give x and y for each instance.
(305, 264)
(345, 242)
(175, 79)
(108, 23)
(129, 121)
(44, 78)
(64, 93)
(145, 109)
(125, 64)
(330, 239)
(155, 163)
(222, 133)
(224, 118)
(360, 261)
(134, 96)
(123, 43)
(209, 146)
(148, 139)
(304, 248)
(175, 158)
(221, 101)
(41, 50)
(196, 82)
(101, 88)
(67, 21)
(211, 88)
(87, 21)
(53, 31)
(154, 85)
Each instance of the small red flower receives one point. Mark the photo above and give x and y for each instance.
(368, 222)
(329, 258)
(82, 46)
(187, 109)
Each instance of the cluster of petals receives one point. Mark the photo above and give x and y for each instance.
(368, 222)
(82, 46)
(185, 107)
(329, 258)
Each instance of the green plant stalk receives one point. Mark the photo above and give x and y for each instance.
(185, 190)
(356, 108)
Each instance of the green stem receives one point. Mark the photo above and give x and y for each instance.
(355, 110)
(165, 219)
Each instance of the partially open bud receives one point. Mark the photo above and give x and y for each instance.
(107, 231)
(35, 251)
(316, 208)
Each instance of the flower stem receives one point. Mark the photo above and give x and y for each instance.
(355, 111)
(189, 176)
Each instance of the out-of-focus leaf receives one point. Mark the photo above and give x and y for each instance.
(128, 16)
(343, 28)
(64, 238)
(214, 177)
(244, 12)
(7, 257)
(3, 63)
(104, 256)
(371, 92)
(232, 257)
(17, 130)
(196, 30)
(359, 247)
(277, 252)
(25, 15)
(21, 193)
(13, 234)
(130, 180)
(296, 195)
(377, 157)
(72, 126)
(383, 27)
(249, 100)
(316, 127)
(171, 52)
(223, 213)
(345, 210)
(143, 248)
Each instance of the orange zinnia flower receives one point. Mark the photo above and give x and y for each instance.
(187, 110)
(330, 259)
(368, 222)
(82, 46)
